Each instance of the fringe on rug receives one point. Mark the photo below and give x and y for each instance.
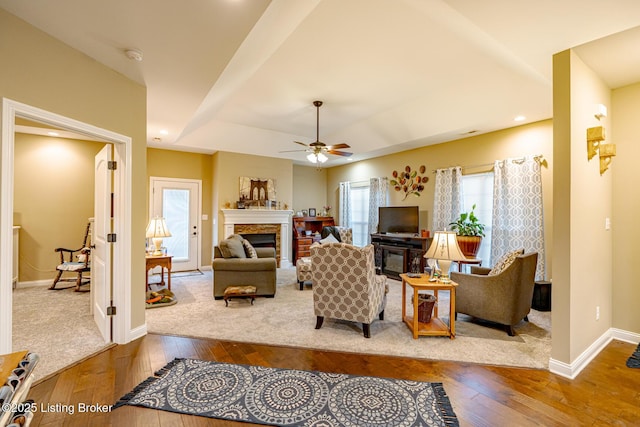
(163, 371)
(146, 383)
(446, 410)
(634, 360)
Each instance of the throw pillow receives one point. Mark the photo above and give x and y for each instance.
(232, 248)
(505, 261)
(249, 249)
(329, 239)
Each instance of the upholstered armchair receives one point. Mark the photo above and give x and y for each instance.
(237, 271)
(303, 265)
(345, 284)
(504, 298)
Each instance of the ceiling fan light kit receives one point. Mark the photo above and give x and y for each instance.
(318, 150)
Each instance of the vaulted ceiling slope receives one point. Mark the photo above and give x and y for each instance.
(242, 75)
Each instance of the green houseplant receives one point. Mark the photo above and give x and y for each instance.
(469, 232)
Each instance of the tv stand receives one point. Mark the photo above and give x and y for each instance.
(395, 253)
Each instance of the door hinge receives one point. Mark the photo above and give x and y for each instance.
(112, 165)
(111, 237)
(111, 310)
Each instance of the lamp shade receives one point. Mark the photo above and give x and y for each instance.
(445, 247)
(157, 228)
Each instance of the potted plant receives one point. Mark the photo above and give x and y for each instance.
(469, 232)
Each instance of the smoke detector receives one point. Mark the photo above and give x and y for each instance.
(134, 54)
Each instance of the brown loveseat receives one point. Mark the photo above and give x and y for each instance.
(504, 298)
(259, 272)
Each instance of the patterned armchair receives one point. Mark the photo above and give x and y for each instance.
(303, 265)
(345, 284)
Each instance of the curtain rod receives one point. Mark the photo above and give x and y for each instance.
(518, 160)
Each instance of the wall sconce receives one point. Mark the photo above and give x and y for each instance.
(607, 151)
(594, 136)
(601, 111)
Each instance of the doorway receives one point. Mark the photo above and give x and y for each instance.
(120, 267)
(179, 201)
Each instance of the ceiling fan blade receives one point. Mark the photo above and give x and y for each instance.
(339, 153)
(301, 143)
(338, 146)
(291, 151)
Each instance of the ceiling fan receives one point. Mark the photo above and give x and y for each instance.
(317, 150)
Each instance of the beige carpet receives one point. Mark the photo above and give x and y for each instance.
(288, 320)
(56, 325)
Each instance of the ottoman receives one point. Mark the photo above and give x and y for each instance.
(239, 292)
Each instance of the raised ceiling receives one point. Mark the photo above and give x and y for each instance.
(241, 75)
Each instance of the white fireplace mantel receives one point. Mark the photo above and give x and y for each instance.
(263, 216)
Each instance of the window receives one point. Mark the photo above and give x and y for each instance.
(360, 214)
(477, 189)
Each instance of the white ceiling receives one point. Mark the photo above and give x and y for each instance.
(241, 75)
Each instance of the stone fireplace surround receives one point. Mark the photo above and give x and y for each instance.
(257, 221)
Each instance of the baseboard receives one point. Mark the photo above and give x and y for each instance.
(138, 332)
(34, 283)
(572, 370)
(626, 336)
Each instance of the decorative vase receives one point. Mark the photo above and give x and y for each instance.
(469, 245)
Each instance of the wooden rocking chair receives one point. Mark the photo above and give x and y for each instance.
(76, 262)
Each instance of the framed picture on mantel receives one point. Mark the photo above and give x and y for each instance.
(312, 212)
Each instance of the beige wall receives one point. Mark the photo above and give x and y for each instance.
(43, 72)
(53, 199)
(182, 165)
(626, 206)
(229, 167)
(484, 149)
(310, 188)
(583, 247)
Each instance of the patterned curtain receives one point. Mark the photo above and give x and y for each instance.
(344, 215)
(447, 200)
(378, 196)
(517, 209)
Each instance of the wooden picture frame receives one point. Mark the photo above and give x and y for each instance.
(312, 212)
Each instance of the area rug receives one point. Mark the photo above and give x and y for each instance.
(287, 397)
(289, 320)
(634, 359)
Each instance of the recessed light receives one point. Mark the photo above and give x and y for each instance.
(164, 132)
(53, 134)
(519, 118)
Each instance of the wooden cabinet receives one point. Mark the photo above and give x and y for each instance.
(306, 230)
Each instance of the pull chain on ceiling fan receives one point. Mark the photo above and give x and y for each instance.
(318, 150)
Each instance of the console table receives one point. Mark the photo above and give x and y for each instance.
(397, 253)
(162, 261)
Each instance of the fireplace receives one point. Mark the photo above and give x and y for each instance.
(261, 240)
(261, 222)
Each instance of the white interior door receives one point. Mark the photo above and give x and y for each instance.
(179, 202)
(101, 253)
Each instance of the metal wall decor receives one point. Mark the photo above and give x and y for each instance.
(409, 181)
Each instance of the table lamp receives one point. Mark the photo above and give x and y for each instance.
(156, 230)
(445, 249)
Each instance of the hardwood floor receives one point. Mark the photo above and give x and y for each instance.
(605, 393)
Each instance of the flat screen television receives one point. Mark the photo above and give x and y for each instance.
(398, 219)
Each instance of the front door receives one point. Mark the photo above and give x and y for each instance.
(101, 253)
(179, 202)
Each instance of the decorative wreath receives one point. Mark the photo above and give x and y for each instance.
(409, 182)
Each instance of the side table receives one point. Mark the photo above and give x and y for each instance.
(468, 261)
(162, 261)
(541, 300)
(437, 327)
